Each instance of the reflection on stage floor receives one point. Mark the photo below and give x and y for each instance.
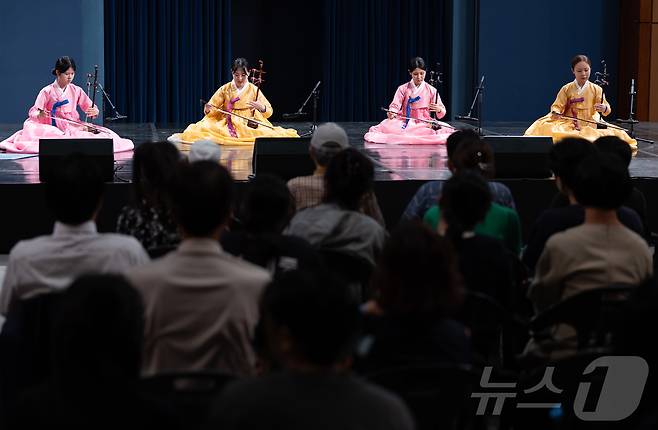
(392, 162)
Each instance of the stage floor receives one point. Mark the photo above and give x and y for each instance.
(392, 162)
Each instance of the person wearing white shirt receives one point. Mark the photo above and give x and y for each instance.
(74, 195)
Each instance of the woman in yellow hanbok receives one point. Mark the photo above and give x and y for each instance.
(243, 98)
(580, 99)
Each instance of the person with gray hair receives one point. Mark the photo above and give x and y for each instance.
(204, 149)
(327, 140)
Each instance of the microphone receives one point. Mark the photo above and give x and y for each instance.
(632, 86)
(465, 118)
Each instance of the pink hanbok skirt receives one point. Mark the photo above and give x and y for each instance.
(26, 141)
(416, 133)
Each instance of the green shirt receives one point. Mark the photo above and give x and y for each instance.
(500, 222)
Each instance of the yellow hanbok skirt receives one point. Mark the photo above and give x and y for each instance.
(561, 128)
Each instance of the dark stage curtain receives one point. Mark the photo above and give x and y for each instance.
(162, 56)
(367, 48)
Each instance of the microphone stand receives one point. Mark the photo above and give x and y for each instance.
(632, 121)
(315, 93)
(479, 96)
(117, 115)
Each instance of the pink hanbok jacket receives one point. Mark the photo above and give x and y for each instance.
(413, 102)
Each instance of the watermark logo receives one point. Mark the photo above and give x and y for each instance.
(621, 392)
(619, 397)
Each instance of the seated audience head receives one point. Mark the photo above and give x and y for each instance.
(98, 333)
(472, 153)
(417, 275)
(204, 150)
(154, 173)
(464, 201)
(310, 322)
(565, 156)
(602, 182)
(202, 198)
(327, 140)
(458, 137)
(348, 178)
(267, 205)
(75, 190)
(616, 146)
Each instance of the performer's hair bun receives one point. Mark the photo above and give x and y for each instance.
(416, 63)
(240, 63)
(63, 64)
(579, 58)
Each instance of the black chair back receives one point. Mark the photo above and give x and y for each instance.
(594, 314)
(191, 394)
(487, 320)
(437, 395)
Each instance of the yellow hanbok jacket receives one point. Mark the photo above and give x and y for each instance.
(579, 103)
(231, 130)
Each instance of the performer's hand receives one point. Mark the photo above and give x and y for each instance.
(92, 112)
(600, 107)
(554, 116)
(391, 115)
(435, 107)
(206, 109)
(258, 106)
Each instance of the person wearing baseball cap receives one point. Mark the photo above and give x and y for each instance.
(327, 140)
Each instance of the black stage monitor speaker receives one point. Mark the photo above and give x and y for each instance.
(521, 156)
(285, 157)
(99, 151)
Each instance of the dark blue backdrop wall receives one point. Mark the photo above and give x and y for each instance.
(525, 49)
(34, 34)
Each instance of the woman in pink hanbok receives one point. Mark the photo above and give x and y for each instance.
(414, 99)
(55, 115)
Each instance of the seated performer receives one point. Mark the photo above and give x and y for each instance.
(579, 99)
(414, 99)
(243, 98)
(55, 115)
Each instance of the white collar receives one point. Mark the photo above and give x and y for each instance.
(62, 91)
(239, 90)
(579, 88)
(87, 227)
(200, 244)
(416, 89)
